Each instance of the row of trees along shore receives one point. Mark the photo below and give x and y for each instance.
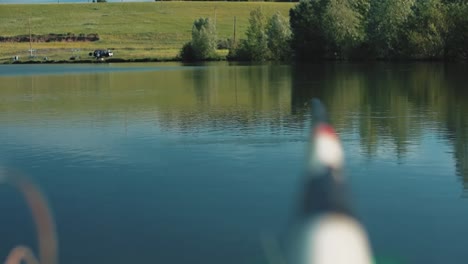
(345, 29)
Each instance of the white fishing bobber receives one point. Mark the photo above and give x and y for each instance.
(326, 150)
(336, 239)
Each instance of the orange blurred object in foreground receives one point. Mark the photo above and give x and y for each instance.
(42, 216)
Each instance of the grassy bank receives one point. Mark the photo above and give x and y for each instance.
(134, 30)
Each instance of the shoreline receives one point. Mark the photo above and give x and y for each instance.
(92, 61)
(111, 60)
(220, 59)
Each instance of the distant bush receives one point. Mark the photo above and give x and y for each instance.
(279, 36)
(225, 43)
(265, 41)
(240, 52)
(187, 53)
(255, 47)
(203, 44)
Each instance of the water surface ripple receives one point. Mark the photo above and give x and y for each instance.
(166, 163)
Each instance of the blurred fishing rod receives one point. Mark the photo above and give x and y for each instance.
(326, 230)
(42, 216)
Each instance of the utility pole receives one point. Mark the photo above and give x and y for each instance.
(215, 17)
(30, 38)
(234, 38)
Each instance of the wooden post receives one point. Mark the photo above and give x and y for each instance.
(30, 38)
(215, 17)
(234, 38)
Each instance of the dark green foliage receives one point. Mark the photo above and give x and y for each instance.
(240, 52)
(308, 40)
(457, 36)
(187, 53)
(388, 22)
(347, 29)
(343, 24)
(382, 29)
(225, 43)
(427, 29)
(328, 28)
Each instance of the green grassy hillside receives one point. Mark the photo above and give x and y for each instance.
(134, 30)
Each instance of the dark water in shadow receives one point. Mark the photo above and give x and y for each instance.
(159, 163)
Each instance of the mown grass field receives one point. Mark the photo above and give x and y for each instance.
(134, 30)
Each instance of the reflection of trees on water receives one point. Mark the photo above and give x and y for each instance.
(454, 115)
(235, 97)
(391, 104)
(359, 98)
(388, 106)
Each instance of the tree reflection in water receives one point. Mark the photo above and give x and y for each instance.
(391, 105)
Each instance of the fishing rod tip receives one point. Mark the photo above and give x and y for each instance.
(319, 113)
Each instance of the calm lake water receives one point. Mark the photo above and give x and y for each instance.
(164, 163)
